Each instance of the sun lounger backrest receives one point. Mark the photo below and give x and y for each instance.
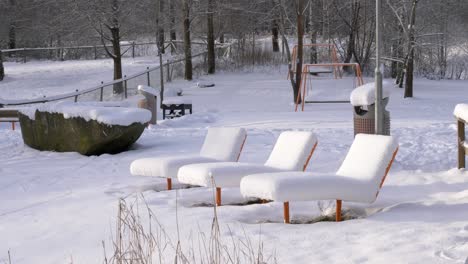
(223, 143)
(292, 150)
(368, 159)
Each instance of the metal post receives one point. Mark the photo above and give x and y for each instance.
(133, 49)
(379, 121)
(161, 72)
(125, 86)
(148, 77)
(461, 144)
(76, 96)
(95, 53)
(168, 71)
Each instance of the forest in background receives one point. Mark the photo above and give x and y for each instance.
(438, 41)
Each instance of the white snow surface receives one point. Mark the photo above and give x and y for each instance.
(365, 94)
(59, 207)
(357, 180)
(110, 115)
(461, 111)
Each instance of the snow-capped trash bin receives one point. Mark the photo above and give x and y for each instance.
(151, 96)
(363, 101)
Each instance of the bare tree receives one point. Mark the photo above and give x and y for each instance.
(187, 42)
(211, 38)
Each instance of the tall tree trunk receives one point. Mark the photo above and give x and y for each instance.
(115, 39)
(210, 38)
(300, 49)
(12, 26)
(173, 24)
(274, 36)
(117, 58)
(410, 62)
(352, 33)
(187, 44)
(160, 25)
(2, 70)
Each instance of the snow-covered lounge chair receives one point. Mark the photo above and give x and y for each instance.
(359, 178)
(291, 152)
(220, 145)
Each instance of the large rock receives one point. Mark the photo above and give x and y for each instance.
(53, 132)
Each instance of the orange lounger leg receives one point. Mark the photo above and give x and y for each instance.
(218, 196)
(338, 210)
(286, 212)
(169, 184)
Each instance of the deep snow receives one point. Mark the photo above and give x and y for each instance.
(60, 206)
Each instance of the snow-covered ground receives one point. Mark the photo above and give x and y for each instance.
(58, 207)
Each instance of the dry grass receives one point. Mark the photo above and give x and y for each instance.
(144, 240)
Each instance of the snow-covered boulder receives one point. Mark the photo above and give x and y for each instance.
(365, 94)
(85, 128)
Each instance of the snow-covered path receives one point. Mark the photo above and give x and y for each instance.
(60, 206)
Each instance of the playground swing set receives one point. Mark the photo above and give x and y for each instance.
(308, 70)
(305, 85)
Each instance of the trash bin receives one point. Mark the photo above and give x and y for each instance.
(364, 119)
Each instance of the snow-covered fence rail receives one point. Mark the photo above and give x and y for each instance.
(130, 49)
(151, 76)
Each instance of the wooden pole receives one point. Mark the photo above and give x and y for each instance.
(218, 196)
(461, 141)
(338, 210)
(286, 212)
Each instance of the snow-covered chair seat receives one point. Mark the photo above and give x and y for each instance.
(291, 152)
(220, 145)
(359, 178)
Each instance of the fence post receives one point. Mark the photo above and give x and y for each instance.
(24, 55)
(148, 76)
(95, 53)
(76, 96)
(461, 143)
(168, 78)
(125, 86)
(133, 49)
(101, 97)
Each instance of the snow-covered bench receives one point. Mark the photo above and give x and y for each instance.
(221, 144)
(461, 114)
(359, 178)
(291, 152)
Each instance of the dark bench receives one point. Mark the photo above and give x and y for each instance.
(176, 107)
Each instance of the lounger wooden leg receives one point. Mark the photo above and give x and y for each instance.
(286, 212)
(218, 196)
(169, 184)
(338, 210)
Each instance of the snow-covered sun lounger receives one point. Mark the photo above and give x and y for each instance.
(291, 152)
(220, 145)
(359, 178)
